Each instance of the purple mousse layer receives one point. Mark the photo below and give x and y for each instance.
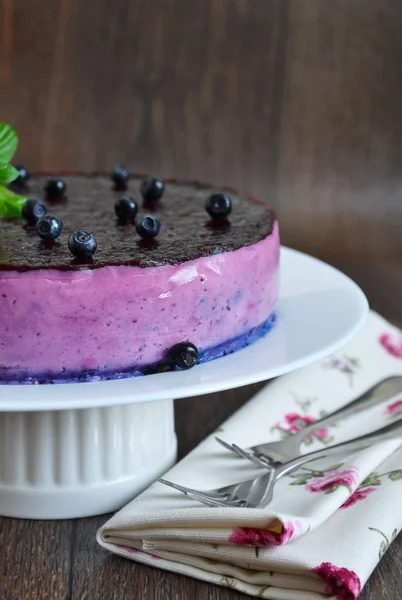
(228, 347)
(117, 320)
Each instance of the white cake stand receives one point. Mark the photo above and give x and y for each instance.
(75, 450)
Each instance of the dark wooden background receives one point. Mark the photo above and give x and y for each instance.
(297, 101)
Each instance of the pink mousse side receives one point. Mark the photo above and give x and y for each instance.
(113, 318)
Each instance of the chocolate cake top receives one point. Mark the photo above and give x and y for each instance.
(187, 231)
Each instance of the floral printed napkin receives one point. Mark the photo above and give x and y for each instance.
(328, 524)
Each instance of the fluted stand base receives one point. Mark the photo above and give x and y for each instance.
(78, 463)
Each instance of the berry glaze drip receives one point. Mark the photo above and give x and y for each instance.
(70, 314)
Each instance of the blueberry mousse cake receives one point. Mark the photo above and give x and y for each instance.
(104, 276)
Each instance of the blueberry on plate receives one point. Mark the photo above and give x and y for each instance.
(218, 206)
(33, 210)
(149, 227)
(184, 355)
(126, 208)
(54, 187)
(119, 176)
(23, 175)
(152, 189)
(82, 244)
(49, 227)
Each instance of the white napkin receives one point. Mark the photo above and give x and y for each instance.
(339, 515)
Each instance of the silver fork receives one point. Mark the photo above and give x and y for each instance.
(258, 492)
(276, 453)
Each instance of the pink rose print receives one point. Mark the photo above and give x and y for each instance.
(342, 583)
(250, 536)
(394, 409)
(359, 494)
(331, 480)
(392, 344)
(295, 422)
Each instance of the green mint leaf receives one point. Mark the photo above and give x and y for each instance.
(10, 204)
(8, 143)
(8, 173)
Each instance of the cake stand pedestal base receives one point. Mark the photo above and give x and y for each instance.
(78, 463)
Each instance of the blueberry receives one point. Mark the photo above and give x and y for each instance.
(120, 176)
(152, 189)
(55, 187)
(33, 210)
(49, 227)
(23, 175)
(149, 227)
(82, 244)
(218, 206)
(126, 208)
(184, 355)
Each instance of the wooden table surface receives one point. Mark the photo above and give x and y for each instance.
(297, 101)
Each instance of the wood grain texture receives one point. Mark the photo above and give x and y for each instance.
(298, 102)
